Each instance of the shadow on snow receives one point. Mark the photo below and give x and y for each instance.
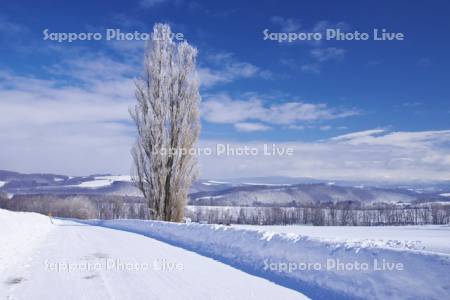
(310, 290)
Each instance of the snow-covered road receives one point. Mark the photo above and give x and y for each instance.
(138, 259)
(156, 271)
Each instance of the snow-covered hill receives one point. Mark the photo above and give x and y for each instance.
(267, 191)
(17, 183)
(309, 193)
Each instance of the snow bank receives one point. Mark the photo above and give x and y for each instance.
(430, 238)
(308, 261)
(19, 235)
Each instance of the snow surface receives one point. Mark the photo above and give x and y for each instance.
(218, 182)
(427, 204)
(208, 183)
(92, 184)
(446, 194)
(430, 238)
(2, 183)
(266, 184)
(102, 181)
(214, 182)
(424, 275)
(20, 233)
(210, 197)
(83, 247)
(126, 178)
(223, 262)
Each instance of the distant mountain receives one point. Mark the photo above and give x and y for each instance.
(253, 191)
(17, 183)
(301, 194)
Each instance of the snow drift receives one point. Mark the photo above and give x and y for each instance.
(19, 235)
(307, 261)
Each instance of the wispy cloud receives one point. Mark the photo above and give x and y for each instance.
(14, 36)
(325, 127)
(294, 25)
(311, 68)
(358, 135)
(221, 108)
(325, 54)
(9, 27)
(74, 126)
(321, 56)
(224, 68)
(286, 24)
(251, 127)
(390, 156)
(49, 125)
(412, 104)
(319, 52)
(413, 139)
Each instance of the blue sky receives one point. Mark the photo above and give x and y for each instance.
(378, 105)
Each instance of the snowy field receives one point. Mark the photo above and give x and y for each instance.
(69, 260)
(136, 259)
(346, 268)
(432, 238)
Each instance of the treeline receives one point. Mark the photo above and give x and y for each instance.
(328, 214)
(338, 215)
(79, 206)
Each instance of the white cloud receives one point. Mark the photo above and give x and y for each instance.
(78, 124)
(311, 68)
(404, 138)
(322, 55)
(358, 135)
(319, 53)
(393, 156)
(330, 53)
(325, 127)
(223, 68)
(47, 126)
(323, 25)
(251, 127)
(77, 128)
(14, 37)
(8, 27)
(210, 76)
(296, 127)
(286, 24)
(72, 149)
(221, 108)
(27, 100)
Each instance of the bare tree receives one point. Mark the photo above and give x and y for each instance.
(167, 120)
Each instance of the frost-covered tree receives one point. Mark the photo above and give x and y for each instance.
(167, 120)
